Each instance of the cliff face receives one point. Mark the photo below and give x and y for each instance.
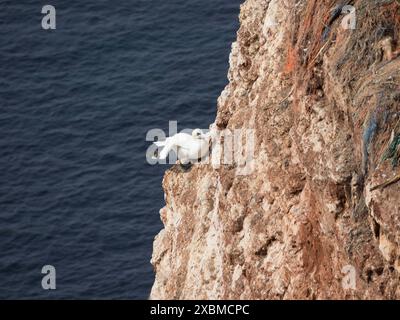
(324, 105)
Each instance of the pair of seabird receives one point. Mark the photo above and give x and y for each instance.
(188, 148)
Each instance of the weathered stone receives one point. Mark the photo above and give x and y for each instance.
(321, 104)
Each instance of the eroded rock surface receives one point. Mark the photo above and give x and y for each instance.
(324, 103)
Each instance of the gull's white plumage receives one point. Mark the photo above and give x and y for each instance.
(189, 148)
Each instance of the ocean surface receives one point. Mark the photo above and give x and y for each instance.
(76, 103)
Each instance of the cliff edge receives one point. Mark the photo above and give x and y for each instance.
(318, 216)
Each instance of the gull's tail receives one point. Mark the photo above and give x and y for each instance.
(167, 146)
(160, 143)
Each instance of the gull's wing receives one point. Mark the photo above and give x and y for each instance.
(181, 140)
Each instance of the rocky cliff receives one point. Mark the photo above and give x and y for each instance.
(322, 202)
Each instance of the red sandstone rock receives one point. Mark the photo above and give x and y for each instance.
(324, 110)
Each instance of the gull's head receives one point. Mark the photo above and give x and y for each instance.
(197, 133)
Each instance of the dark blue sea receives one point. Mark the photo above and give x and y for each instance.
(76, 103)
